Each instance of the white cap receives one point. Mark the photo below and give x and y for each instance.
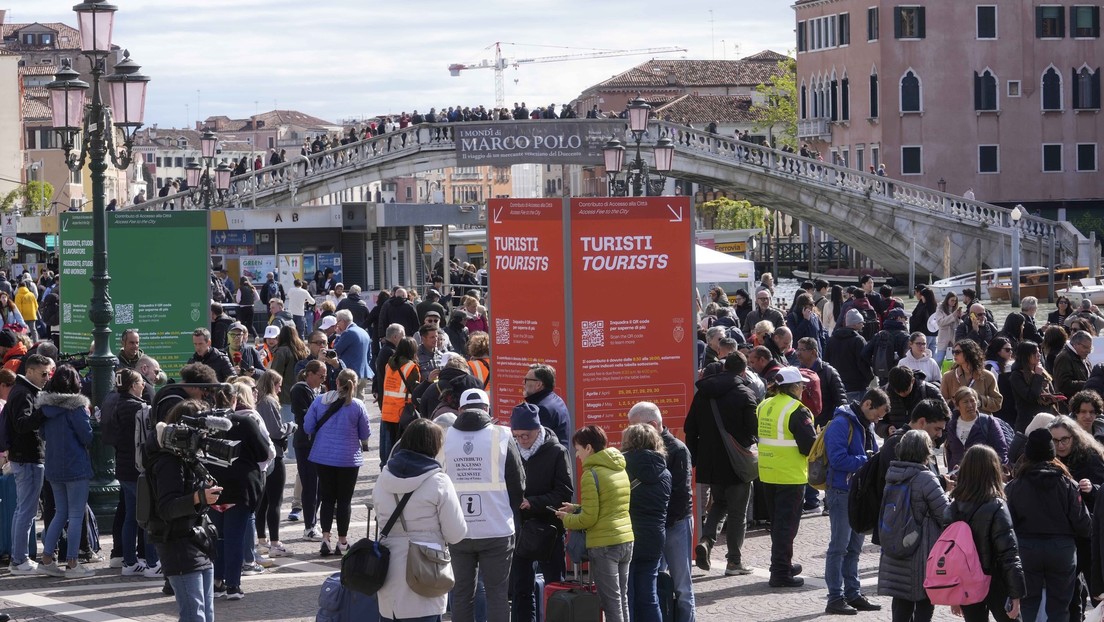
(789, 375)
(327, 323)
(474, 396)
(271, 332)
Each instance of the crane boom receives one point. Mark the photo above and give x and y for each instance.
(500, 64)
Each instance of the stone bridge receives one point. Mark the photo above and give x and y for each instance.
(879, 216)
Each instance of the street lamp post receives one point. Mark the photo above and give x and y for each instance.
(638, 177)
(200, 179)
(1017, 214)
(91, 123)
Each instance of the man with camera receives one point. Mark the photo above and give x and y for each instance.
(320, 351)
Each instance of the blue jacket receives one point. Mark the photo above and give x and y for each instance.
(352, 348)
(553, 414)
(337, 442)
(67, 431)
(847, 456)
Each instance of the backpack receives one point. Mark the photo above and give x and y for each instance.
(953, 574)
(864, 499)
(897, 529)
(818, 458)
(871, 325)
(143, 427)
(811, 396)
(885, 357)
(218, 290)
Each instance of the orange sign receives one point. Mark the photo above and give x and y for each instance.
(525, 242)
(626, 350)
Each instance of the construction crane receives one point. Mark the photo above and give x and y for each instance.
(500, 64)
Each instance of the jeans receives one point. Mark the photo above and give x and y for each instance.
(300, 322)
(677, 551)
(389, 435)
(28, 485)
(492, 558)
(130, 529)
(232, 525)
(784, 511)
(643, 596)
(841, 565)
(609, 567)
(195, 595)
(521, 582)
(1049, 564)
(731, 500)
(287, 416)
(69, 501)
(913, 611)
(308, 479)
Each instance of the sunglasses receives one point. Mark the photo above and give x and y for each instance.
(956, 352)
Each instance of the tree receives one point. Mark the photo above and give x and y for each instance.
(778, 113)
(32, 195)
(725, 213)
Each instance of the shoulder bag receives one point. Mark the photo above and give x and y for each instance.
(330, 412)
(576, 538)
(744, 460)
(428, 565)
(410, 410)
(364, 567)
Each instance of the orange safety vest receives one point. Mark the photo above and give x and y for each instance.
(395, 394)
(481, 369)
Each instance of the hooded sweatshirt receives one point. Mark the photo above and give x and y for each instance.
(68, 434)
(651, 491)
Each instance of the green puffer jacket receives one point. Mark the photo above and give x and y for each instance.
(604, 512)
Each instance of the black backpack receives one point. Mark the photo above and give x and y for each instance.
(864, 499)
(871, 325)
(885, 356)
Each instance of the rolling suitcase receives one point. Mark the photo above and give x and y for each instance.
(337, 604)
(538, 595)
(7, 513)
(572, 601)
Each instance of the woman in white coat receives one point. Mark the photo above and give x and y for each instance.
(433, 514)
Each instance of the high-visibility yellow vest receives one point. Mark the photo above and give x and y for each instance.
(780, 461)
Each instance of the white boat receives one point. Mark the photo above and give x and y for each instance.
(1088, 288)
(991, 276)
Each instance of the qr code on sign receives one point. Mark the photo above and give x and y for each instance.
(124, 314)
(594, 334)
(502, 330)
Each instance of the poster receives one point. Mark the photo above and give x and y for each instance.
(525, 244)
(291, 268)
(309, 263)
(256, 267)
(331, 260)
(622, 356)
(164, 307)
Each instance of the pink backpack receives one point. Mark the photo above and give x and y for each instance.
(953, 575)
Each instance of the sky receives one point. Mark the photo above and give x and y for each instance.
(343, 59)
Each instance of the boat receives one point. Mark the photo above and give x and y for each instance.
(1036, 283)
(846, 276)
(1089, 288)
(990, 276)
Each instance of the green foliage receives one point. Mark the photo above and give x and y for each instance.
(28, 197)
(725, 213)
(780, 109)
(1087, 222)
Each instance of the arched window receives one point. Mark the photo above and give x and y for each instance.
(1086, 89)
(1052, 89)
(910, 92)
(804, 101)
(985, 91)
(874, 95)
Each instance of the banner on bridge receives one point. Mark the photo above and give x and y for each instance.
(543, 142)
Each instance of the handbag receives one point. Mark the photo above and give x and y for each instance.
(536, 540)
(364, 567)
(576, 538)
(429, 568)
(744, 460)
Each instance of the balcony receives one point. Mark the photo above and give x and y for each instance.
(814, 128)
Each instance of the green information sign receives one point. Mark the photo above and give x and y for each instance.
(159, 263)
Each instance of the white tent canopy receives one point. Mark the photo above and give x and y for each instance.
(715, 267)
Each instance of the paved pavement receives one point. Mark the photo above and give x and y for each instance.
(289, 591)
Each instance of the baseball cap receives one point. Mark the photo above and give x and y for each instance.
(789, 375)
(236, 326)
(271, 332)
(433, 313)
(853, 318)
(327, 323)
(474, 397)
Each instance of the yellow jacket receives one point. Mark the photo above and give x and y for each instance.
(605, 510)
(27, 303)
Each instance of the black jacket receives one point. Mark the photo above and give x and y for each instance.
(894, 337)
(900, 408)
(473, 420)
(386, 351)
(736, 403)
(357, 307)
(188, 543)
(1044, 503)
(23, 420)
(302, 396)
(1026, 390)
(399, 311)
(548, 480)
(1087, 465)
(126, 412)
(650, 482)
(678, 463)
(431, 396)
(243, 481)
(844, 352)
(216, 360)
(996, 545)
(220, 327)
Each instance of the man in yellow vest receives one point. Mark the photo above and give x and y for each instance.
(786, 435)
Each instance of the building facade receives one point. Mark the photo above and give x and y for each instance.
(1001, 98)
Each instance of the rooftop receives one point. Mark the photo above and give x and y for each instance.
(701, 109)
(682, 73)
(68, 38)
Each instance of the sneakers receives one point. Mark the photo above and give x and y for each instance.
(220, 591)
(264, 561)
(90, 557)
(79, 572)
(234, 593)
(737, 569)
(115, 562)
(702, 552)
(839, 607)
(278, 550)
(324, 550)
(312, 534)
(134, 570)
(51, 569)
(249, 570)
(295, 515)
(153, 572)
(341, 548)
(861, 603)
(27, 567)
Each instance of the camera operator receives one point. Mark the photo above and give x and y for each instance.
(180, 529)
(170, 395)
(319, 351)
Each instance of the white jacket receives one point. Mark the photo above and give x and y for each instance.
(433, 514)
